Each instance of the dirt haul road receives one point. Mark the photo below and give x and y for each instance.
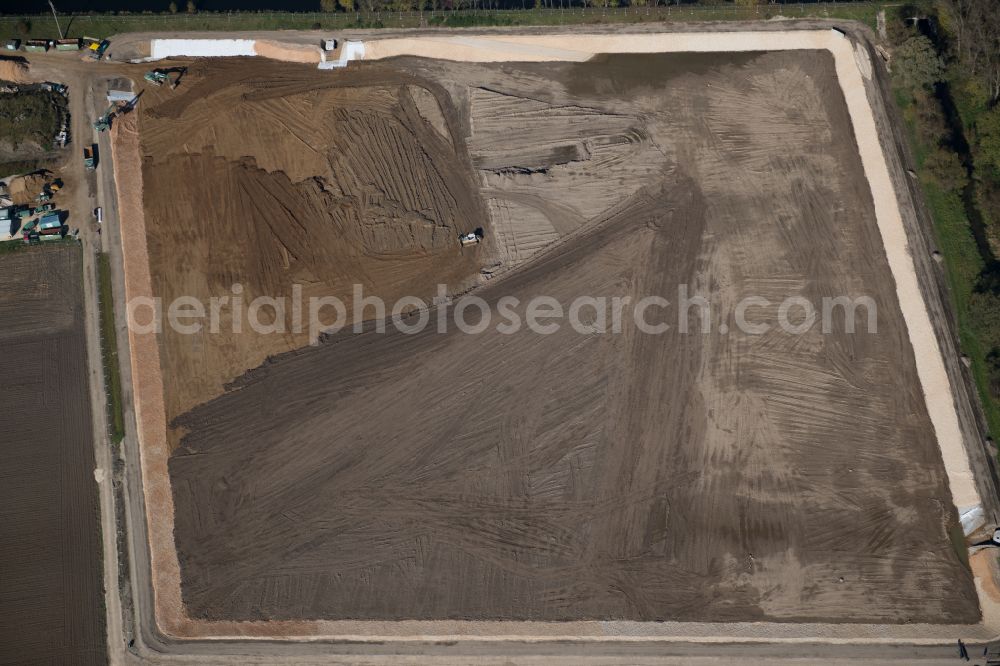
(572, 476)
(51, 597)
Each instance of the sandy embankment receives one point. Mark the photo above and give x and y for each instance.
(288, 52)
(147, 382)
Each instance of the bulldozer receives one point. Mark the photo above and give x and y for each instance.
(160, 76)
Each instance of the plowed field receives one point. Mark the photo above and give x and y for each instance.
(51, 593)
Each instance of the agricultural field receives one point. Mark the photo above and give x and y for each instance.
(714, 475)
(51, 599)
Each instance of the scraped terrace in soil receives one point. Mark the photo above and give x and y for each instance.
(717, 477)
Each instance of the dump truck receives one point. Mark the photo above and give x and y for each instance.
(95, 48)
(55, 87)
(90, 157)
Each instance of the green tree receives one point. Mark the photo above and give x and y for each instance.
(988, 132)
(23, 27)
(985, 311)
(191, 7)
(916, 64)
(945, 170)
(327, 5)
(172, 8)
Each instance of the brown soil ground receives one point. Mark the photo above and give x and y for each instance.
(272, 175)
(707, 476)
(51, 598)
(14, 70)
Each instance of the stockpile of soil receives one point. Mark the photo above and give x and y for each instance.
(269, 176)
(14, 70)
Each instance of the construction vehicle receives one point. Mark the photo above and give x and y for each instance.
(116, 109)
(471, 238)
(59, 88)
(90, 157)
(95, 49)
(44, 208)
(160, 76)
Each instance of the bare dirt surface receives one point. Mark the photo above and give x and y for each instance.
(51, 594)
(714, 476)
(272, 175)
(14, 70)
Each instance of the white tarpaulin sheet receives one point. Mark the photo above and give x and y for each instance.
(972, 519)
(202, 48)
(351, 50)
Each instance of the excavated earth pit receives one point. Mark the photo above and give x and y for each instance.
(716, 476)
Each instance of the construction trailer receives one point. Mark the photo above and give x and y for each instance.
(7, 220)
(12, 44)
(67, 45)
(36, 45)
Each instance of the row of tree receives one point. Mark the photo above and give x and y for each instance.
(411, 5)
(946, 66)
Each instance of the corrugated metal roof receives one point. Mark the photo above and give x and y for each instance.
(49, 221)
